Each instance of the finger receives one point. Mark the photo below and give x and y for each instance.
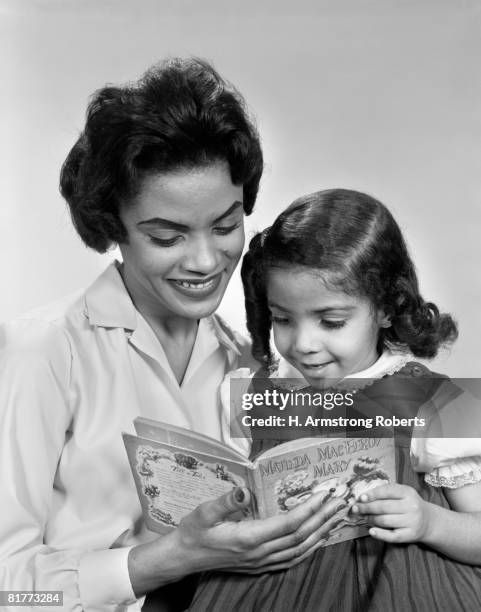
(281, 565)
(283, 525)
(388, 491)
(393, 536)
(292, 546)
(384, 506)
(216, 511)
(387, 521)
(292, 550)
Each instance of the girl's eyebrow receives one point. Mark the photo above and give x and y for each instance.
(339, 308)
(317, 311)
(180, 227)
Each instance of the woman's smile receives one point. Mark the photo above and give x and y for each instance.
(198, 288)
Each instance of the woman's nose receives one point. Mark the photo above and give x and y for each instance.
(202, 256)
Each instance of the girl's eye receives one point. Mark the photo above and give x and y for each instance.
(164, 242)
(333, 323)
(223, 231)
(280, 320)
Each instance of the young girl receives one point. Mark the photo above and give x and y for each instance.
(334, 280)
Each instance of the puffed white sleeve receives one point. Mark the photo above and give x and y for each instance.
(233, 407)
(449, 451)
(35, 418)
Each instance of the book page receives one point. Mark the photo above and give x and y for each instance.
(172, 481)
(184, 438)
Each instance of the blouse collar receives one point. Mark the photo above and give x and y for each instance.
(108, 304)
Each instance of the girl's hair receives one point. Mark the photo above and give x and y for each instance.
(181, 114)
(357, 247)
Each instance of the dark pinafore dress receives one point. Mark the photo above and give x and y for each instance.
(361, 575)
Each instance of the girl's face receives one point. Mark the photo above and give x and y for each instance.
(324, 333)
(185, 237)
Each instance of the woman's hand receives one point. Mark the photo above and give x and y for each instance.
(208, 539)
(396, 512)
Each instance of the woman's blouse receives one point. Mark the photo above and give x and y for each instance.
(73, 376)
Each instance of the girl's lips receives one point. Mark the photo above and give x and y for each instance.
(315, 366)
(197, 288)
(314, 371)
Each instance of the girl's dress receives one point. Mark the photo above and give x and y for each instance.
(365, 574)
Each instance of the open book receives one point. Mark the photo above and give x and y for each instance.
(176, 469)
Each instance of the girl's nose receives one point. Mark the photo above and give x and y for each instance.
(202, 256)
(306, 341)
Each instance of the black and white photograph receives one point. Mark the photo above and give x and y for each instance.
(211, 214)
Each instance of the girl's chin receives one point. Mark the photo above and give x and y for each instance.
(324, 382)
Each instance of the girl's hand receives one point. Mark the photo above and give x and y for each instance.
(398, 514)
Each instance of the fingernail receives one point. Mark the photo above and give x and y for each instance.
(239, 495)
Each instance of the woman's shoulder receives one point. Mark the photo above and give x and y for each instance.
(42, 332)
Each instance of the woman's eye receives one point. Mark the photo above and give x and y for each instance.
(164, 242)
(333, 323)
(227, 229)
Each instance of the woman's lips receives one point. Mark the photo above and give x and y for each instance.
(200, 288)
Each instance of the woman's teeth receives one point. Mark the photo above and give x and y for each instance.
(196, 285)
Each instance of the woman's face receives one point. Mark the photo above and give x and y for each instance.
(185, 237)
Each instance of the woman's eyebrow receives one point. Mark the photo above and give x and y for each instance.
(180, 227)
(159, 222)
(228, 212)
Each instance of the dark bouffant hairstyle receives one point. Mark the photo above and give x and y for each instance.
(357, 247)
(181, 114)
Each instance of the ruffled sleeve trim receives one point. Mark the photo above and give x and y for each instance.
(461, 472)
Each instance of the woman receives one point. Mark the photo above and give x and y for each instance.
(165, 168)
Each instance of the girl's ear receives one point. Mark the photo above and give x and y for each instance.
(384, 320)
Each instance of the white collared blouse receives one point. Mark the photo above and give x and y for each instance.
(73, 376)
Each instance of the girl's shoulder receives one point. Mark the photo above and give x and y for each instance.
(415, 383)
(448, 450)
(415, 369)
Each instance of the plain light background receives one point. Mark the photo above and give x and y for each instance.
(377, 95)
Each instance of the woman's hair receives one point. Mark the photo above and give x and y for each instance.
(355, 244)
(180, 115)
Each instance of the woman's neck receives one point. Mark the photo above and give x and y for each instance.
(176, 334)
(177, 337)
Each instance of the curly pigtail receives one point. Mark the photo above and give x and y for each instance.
(418, 324)
(258, 317)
